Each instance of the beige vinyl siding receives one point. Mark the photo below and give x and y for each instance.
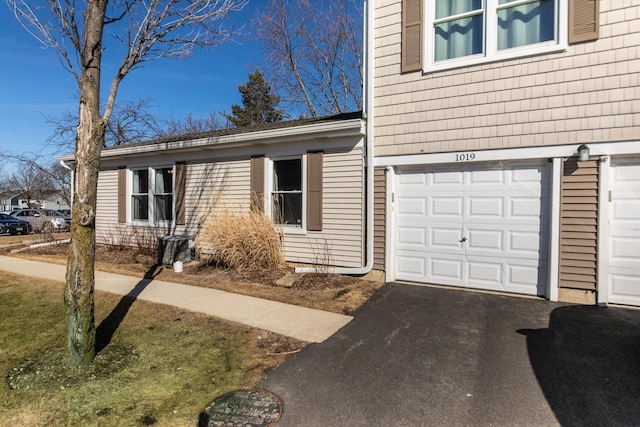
(107, 206)
(588, 93)
(340, 242)
(379, 217)
(215, 187)
(578, 227)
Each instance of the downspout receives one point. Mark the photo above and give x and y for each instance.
(71, 171)
(367, 114)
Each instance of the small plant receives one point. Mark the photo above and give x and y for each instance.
(322, 255)
(120, 236)
(44, 235)
(247, 241)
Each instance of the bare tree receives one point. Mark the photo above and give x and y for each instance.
(190, 124)
(34, 177)
(144, 31)
(29, 181)
(131, 121)
(313, 50)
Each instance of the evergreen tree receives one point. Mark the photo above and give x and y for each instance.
(259, 105)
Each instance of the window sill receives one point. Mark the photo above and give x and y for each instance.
(515, 53)
(288, 230)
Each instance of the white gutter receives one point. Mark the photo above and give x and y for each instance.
(72, 173)
(368, 161)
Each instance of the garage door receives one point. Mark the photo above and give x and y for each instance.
(624, 232)
(479, 226)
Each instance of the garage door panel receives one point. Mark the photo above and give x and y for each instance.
(523, 278)
(525, 208)
(483, 177)
(626, 208)
(623, 250)
(524, 244)
(412, 179)
(482, 207)
(448, 207)
(449, 270)
(625, 287)
(412, 206)
(411, 266)
(445, 238)
(482, 240)
(528, 175)
(444, 178)
(485, 273)
(412, 237)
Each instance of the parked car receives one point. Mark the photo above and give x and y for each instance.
(44, 219)
(11, 225)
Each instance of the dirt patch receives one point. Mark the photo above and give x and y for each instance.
(324, 291)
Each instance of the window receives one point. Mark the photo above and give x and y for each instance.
(140, 196)
(286, 192)
(152, 195)
(465, 32)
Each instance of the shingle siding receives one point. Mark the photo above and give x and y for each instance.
(590, 93)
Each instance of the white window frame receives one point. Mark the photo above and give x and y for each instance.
(490, 42)
(287, 228)
(151, 196)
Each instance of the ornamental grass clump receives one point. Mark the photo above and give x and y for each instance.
(247, 241)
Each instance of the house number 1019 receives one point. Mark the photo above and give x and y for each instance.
(465, 157)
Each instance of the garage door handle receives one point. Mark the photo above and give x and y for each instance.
(464, 239)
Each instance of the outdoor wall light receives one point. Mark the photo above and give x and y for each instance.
(583, 153)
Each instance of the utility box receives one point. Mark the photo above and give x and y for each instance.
(175, 248)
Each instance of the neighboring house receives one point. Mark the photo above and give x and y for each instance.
(309, 174)
(52, 199)
(10, 200)
(49, 199)
(481, 110)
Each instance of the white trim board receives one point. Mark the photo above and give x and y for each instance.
(596, 149)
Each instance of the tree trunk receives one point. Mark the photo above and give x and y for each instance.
(80, 280)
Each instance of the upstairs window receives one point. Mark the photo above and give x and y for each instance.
(443, 34)
(482, 30)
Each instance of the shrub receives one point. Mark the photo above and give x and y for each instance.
(241, 241)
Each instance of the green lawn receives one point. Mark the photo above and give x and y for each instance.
(161, 366)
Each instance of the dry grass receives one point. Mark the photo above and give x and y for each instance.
(247, 241)
(165, 364)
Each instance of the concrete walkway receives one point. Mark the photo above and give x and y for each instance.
(297, 322)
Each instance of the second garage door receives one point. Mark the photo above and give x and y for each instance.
(476, 225)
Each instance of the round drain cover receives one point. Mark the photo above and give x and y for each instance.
(247, 408)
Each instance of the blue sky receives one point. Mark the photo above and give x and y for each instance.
(34, 86)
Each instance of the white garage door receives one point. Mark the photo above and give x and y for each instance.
(479, 226)
(624, 232)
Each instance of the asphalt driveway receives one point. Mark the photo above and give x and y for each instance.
(422, 356)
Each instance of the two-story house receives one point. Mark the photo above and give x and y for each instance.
(509, 136)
